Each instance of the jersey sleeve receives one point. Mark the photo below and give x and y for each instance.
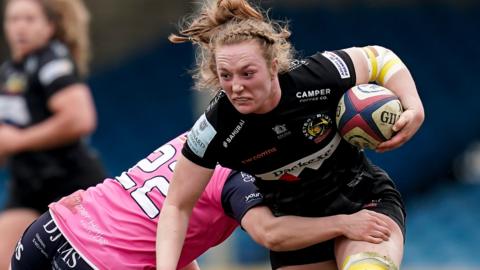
(199, 141)
(56, 70)
(202, 143)
(328, 68)
(239, 194)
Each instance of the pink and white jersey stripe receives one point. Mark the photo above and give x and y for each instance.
(113, 225)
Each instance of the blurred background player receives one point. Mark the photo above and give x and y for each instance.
(46, 111)
(113, 225)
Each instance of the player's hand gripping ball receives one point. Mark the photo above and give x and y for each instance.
(366, 114)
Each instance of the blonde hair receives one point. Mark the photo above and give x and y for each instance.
(226, 22)
(71, 20)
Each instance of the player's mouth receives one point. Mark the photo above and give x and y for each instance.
(241, 100)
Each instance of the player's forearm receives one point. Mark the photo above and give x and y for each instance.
(183, 193)
(404, 87)
(53, 132)
(292, 232)
(171, 231)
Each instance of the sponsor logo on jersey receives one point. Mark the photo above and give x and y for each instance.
(90, 225)
(253, 197)
(313, 95)
(234, 133)
(200, 136)
(247, 177)
(54, 70)
(318, 127)
(14, 110)
(338, 62)
(52, 230)
(260, 155)
(69, 255)
(18, 251)
(291, 171)
(59, 49)
(16, 84)
(372, 204)
(31, 65)
(296, 63)
(281, 131)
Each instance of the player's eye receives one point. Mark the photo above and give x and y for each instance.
(225, 76)
(248, 74)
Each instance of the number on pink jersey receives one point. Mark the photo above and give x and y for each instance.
(140, 194)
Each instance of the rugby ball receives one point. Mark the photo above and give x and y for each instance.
(366, 114)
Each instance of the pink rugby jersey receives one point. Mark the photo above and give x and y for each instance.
(113, 225)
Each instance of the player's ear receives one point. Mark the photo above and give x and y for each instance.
(274, 68)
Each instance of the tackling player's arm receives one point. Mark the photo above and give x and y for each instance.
(293, 232)
(382, 66)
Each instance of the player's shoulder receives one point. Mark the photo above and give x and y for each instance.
(54, 50)
(322, 61)
(216, 102)
(220, 111)
(322, 69)
(51, 62)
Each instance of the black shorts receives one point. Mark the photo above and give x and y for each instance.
(43, 246)
(371, 189)
(38, 192)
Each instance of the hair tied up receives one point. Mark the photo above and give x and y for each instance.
(224, 22)
(236, 9)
